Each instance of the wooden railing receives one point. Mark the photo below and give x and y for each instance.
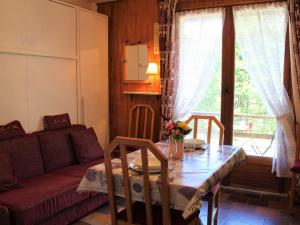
(250, 132)
(244, 132)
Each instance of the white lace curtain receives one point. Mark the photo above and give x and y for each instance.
(198, 50)
(260, 33)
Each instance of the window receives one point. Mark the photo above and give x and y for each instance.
(208, 84)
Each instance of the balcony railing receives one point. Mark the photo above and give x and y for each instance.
(251, 133)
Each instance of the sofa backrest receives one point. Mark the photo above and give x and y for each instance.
(25, 156)
(41, 152)
(56, 147)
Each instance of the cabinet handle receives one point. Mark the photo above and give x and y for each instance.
(82, 110)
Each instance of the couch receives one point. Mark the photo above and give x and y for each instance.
(48, 175)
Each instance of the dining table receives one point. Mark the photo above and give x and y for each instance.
(189, 179)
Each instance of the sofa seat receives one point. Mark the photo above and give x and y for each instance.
(42, 197)
(77, 170)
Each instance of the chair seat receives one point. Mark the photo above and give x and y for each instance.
(296, 167)
(139, 215)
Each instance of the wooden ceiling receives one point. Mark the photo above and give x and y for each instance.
(101, 1)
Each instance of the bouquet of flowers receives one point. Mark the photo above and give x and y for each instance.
(176, 130)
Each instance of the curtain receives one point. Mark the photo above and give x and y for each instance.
(294, 29)
(166, 45)
(198, 50)
(260, 33)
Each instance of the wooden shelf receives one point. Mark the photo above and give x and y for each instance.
(140, 93)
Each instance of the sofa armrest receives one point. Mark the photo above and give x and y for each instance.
(4, 215)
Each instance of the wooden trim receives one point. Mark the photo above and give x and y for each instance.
(184, 5)
(228, 61)
(136, 82)
(141, 93)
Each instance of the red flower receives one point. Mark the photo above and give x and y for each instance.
(170, 125)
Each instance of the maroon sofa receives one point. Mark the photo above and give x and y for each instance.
(49, 174)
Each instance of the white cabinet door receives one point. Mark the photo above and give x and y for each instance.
(12, 24)
(93, 42)
(13, 89)
(51, 28)
(52, 89)
(39, 27)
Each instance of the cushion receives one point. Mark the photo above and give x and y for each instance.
(86, 146)
(296, 166)
(10, 130)
(27, 157)
(57, 150)
(57, 121)
(42, 197)
(7, 179)
(77, 170)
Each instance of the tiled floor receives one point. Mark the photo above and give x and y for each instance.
(235, 209)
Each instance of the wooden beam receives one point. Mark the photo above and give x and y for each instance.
(200, 4)
(102, 1)
(228, 60)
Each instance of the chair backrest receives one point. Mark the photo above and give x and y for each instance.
(210, 119)
(141, 118)
(144, 144)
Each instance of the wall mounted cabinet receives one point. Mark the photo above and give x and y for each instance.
(53, 59)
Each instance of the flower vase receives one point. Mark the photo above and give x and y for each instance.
(176, 149)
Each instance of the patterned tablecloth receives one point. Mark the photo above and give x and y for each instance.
(190, 179)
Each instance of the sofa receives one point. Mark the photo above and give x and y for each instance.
(48, 174)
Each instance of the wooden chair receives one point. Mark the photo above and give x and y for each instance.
(141, 121)
(295, 171)
(210, 119)
(213, 195)
(137, 212)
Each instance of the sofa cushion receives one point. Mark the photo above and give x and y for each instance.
(57, 150)
(296, 166)
(7, 179)
(25, 155)
(57, 147)
(42, 197)
(57, 121)
(11, 130)
(77, 170)
(86, 146)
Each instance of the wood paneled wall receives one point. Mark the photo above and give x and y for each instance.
(130, 21)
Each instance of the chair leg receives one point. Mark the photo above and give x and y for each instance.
(210, 210)
(213, 209)
(292, 193)
(217, 198)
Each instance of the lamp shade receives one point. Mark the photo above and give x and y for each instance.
(152, 68)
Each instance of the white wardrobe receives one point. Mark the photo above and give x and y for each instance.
(53, 59)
